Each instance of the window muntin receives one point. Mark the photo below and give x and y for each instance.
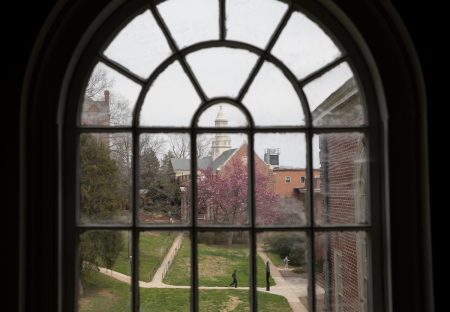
(280, 79)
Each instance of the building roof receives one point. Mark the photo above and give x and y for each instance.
(184, 164)
(339, 105)
(219, 161)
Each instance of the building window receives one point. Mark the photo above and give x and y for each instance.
(172, 189)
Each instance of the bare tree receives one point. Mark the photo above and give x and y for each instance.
(181, 148)
(98, 82)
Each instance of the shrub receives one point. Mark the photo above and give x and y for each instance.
(288, 244)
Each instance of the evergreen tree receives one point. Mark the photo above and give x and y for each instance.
(99, 203)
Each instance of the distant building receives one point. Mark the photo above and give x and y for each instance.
(97, 113)
(272, 156)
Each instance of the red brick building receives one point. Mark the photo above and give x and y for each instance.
(342, 266)
(97, 113)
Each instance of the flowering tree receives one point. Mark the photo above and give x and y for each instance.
(223, 196)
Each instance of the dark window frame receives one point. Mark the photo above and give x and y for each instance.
(411, 91)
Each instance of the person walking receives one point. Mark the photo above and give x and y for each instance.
(286, 262)
(267, 276)
(234, 281)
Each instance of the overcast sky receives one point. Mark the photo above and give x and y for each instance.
(271, 99)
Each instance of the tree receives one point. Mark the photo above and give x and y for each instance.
(98, 82)
(181, 148)
(162, 190)
(224, 195)
(99, 203)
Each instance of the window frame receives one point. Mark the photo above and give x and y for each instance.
(58, 105)
(89, 59)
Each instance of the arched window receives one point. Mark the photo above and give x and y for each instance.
(192, 115)
(160, 134)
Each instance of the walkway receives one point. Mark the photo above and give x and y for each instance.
(165, 264)
(291, 286)
(291, 291)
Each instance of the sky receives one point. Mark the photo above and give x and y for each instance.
(271, 99)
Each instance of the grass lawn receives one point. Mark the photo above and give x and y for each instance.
(153, 247)
(103, 293)
(216, 264)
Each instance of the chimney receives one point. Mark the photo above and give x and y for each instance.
(106, 93)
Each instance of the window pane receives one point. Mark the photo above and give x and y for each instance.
(140, 46)
(335, 100)
(164, 170)
(342, 184)
(171, 100)
(304, 47)
(109, 98)
(272, 99)
(104, 266)
(342, 279)
(222, 181)
(164, 262)
(105, 177)
(191, 21)
(280, 162)
(223, 262)
(221, 71)
(253, 21)
(282, 271)
(222, 115)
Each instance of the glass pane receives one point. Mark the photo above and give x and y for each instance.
(109, 98)
(253, 21)
(222, 182)
(105, 177)
(222, 115)
(342, 279)
(280, 178)
(335, 100)
(164, 262)
(140, 46)
(223, 262)
(191, 21)
(282, 271)
(221, 71)
(171, 100)
(304, 47)
(272, 99)
(342, 183)
(164, 169)
(104, 266)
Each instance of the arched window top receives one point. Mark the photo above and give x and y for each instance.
(267, 56)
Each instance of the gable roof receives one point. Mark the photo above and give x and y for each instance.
(184, 164)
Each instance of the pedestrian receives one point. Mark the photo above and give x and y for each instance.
(234, 281)
(267, 276)
(286, 262)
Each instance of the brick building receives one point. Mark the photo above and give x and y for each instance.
(97, 113)
(342, 269)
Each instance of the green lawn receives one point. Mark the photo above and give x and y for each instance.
(216, 264)
(152, 248)
(103, 293)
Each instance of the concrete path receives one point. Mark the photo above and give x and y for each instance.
(290, 286)
(167, 261)
(292, 292)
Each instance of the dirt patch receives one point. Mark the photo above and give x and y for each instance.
(232, 303)
(85, 303)
(212, 266)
